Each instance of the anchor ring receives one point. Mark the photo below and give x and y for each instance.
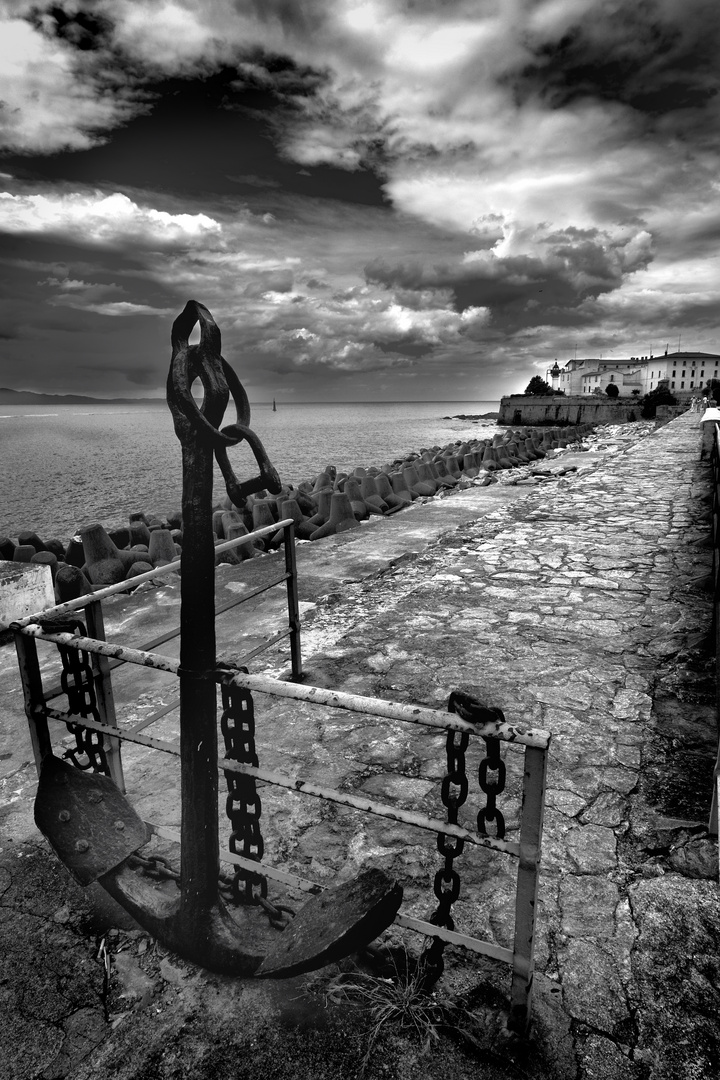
(268, 479)
(204, 361)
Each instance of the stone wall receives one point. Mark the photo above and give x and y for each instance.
(579, 409)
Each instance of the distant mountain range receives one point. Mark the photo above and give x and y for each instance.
(28, 397)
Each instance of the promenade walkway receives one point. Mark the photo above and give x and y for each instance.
(577, 608)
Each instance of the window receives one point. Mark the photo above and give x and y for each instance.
(683, 373)
(673, 386)
(691, 384)
(682, 385)
(702, 373)
(651, 385)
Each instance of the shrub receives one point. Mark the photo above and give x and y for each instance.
(538, 387)
(612, 390)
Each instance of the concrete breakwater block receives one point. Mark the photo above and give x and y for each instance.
(25, 587)
(107, 557)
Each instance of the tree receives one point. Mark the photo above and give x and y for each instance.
(636, 393)
(538, 387)
(660, 396)
(612, 390)
(712, 390)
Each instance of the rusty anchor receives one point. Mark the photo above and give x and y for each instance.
(89, 822)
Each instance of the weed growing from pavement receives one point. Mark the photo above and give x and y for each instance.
(397, 1004)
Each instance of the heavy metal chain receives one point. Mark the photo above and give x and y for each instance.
(446, 885)
(78, 682)
(243, 805)
(491, 777)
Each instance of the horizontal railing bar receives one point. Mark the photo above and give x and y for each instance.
(333, 699)
(283, 876)
(126, 735)
(264, 645)
(170, 635)
(421, 926)
(56, 689)
(150, 575)
(252, 594)
(154, 717)
(477, 945)
(240, 663)
(368, 806)
(390, 710)
(393, 813)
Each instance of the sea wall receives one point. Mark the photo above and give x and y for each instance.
(579, 409)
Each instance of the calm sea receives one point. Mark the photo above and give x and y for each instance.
(67, 466)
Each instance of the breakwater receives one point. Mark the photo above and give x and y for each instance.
(564, 410)
(332, 502)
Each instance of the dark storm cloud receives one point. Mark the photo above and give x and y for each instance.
(514, 176)
(574, 265)
(405, 348)
(83, 29)
(655, 58)
(217, 133)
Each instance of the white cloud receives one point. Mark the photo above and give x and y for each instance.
(92, 217)
(50, 100)
(168, 35)
(125, 307)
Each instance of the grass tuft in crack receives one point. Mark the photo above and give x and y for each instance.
(396, 1004)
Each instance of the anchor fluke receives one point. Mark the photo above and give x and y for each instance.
(88, 821)
(340, 921)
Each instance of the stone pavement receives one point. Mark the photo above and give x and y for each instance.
(579, 608)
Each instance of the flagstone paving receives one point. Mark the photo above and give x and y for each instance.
(579, 610)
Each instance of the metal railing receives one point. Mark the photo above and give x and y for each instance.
(715, 463)
(103, 664)
(526, 848)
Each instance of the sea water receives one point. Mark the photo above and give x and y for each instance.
(64, 467)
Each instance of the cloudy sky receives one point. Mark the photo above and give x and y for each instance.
(377, 199)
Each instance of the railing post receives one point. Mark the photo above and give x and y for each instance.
(531, 825)
(292, 601)
(715, 466)
(104, 693)
(34, 695)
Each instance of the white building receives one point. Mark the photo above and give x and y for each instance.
(626, 381)
(686, 373)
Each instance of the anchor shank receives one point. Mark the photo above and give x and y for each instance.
(198, 734)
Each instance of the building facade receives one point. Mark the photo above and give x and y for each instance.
(686, 373)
